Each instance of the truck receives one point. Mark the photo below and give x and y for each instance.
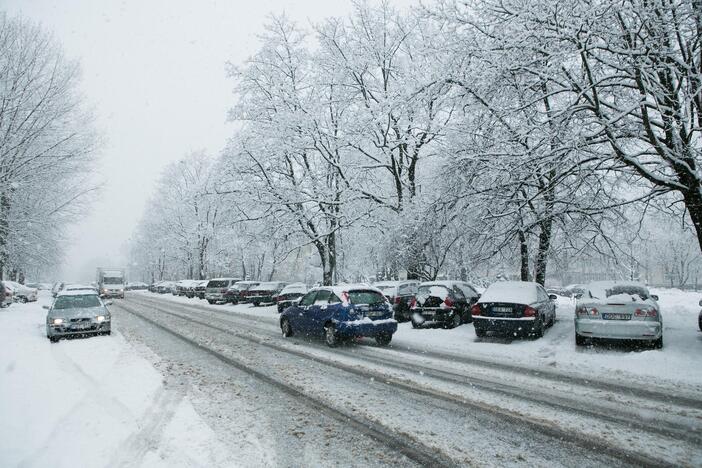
(111, 282)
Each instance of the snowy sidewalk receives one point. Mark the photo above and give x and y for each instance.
(91, 402)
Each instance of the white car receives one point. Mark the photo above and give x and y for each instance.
(21, 292)
(620, 311)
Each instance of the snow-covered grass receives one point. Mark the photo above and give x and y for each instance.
(90, 402)
(677, 363)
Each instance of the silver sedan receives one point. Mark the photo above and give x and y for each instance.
(618, 310)
(77, 313)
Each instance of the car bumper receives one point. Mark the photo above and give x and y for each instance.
(369, 328)
(434, 315)
(214, 296)
(261, 299)
(113, 294)
(619, 329)
(510, 326)
(62, 330)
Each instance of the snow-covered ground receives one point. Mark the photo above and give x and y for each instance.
(678, 361)
(91, 402)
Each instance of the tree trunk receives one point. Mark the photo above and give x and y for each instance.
(4, 231)
(524, 256)
(693, 203)
(542, 253)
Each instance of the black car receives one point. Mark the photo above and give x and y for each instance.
(400, 294)
(238, 291)
(699, 318)
(290, 295)
(514, 308)
(446, 303)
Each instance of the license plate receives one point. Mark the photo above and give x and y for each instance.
(375, 314)
(502, 309)
(80, 326)
(616, 316)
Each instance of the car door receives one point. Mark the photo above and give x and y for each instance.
(546, 305)
(461, 300)
(319, 312)
(298, 318)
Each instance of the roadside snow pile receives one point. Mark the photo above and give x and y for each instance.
(91, 402)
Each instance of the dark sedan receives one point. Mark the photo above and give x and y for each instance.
(514, 308)
(237, 291)
(400, 294)
(290, 295)
(265, 293)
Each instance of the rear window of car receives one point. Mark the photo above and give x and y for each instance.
(433, 291)
(407, 289)
(366, 297)
(77, 302)
(218, 284)
(630, 290)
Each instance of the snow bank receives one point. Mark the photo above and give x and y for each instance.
(90, 402)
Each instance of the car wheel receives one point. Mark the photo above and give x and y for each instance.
(579, 340)
(480, 333)
(330, 336)
(210, 301)
(699, 320)
(416, 324)
(383, 339)
(658, 344)
(538, 330)
(54, 339)
(286, 328)
(456, 320)
(256, 304)
(23, 299)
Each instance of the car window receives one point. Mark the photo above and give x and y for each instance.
(218, 284)
(407, 289)
(322, 297)
(468, 291)
(541, 294)
(77, 302)
(308, 299)
(334, 299)
(366, 297)
(458, 293)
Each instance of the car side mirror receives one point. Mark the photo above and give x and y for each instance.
(553, 297)
(109, 303)
(654, 297)
(48, 307)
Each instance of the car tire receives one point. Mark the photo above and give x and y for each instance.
(256, 304)
(286, 328)
(658, 344)
(415, 324)
(22, 300)
(579, 340)
(383, 339)
(538, 330)
(456, 320)
(54, 339)
(210, 301)
(699, 322)
(330, 336)
(480, 333)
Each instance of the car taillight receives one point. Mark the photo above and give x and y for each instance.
(398, 300)
(530, 312)
(413, 303)
(646, 313)
(475, 310)
(585, 311)
(448, 302)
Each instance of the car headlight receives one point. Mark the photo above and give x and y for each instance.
(57, 321)
(102, 318)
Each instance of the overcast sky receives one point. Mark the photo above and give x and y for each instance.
(154, 71)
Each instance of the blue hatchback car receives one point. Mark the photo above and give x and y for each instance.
(339, 312)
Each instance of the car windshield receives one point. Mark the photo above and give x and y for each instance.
(433, 291)
(218, 284)
(77, 302)
(366, 297)
(112, 280)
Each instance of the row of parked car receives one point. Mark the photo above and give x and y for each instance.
(604, 310)
(13, 291)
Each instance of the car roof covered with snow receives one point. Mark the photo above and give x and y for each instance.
(512, 292)
(294, 287)
(78, 292)
(342, 288)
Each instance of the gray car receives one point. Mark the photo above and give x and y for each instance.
(77, 313)
(620, 311)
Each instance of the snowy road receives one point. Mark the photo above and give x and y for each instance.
(184, 383)
(431, 407)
